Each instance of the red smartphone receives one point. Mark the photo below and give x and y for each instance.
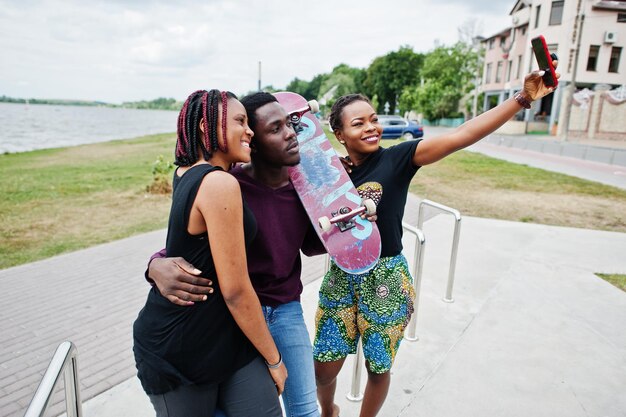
(544, 59)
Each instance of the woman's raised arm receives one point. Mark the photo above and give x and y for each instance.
(432, 150)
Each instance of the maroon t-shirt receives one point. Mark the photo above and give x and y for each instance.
(284, 229)
(274, 260)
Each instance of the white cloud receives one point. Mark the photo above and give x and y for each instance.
(129, 50)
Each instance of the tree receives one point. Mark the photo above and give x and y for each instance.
(341, 81)
(313, 90)
(389, 75)
(357, 75)
(448, 74)
(298, 86)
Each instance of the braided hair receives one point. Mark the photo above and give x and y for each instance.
(336, 112)
(201, 107)
(254, 101)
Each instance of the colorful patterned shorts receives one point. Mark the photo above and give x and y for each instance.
(376, 305)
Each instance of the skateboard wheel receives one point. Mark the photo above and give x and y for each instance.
(314, 106)
(370, 206)
(324, 223)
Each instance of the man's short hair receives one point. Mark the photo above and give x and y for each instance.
(252, 102)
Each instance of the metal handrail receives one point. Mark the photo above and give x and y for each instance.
(418, 259)
(455, 241)
(355, 388)
(355, 393)
(64, 360)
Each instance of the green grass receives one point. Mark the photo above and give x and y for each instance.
(478, 185)
(618, 280)
(59, 200)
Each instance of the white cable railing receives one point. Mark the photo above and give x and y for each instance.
(64, 361)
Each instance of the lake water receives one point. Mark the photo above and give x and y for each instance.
(28, 127)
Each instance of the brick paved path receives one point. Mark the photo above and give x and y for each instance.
(90, 297)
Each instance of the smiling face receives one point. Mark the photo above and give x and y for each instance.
(360, 131)
(275, 141)
(238, 133)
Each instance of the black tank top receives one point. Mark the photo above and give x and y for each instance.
(200, 344)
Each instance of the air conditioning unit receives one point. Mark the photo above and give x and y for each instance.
(610, 37)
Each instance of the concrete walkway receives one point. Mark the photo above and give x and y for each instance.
(604, 163)
(532, 330)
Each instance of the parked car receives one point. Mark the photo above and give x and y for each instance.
(396, 127)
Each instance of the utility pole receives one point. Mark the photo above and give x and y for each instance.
(259, 76)
(476, 40)
(571, 87)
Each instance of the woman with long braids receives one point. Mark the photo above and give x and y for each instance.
(219, 352)
(377, 306)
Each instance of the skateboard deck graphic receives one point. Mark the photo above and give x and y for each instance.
(328, 195)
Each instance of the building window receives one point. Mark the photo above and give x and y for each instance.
(491, 42)
(502, 41)
(537, 14)
(499, 72)
(556, 13)
(488, 74)
(519, 67)
(508, 70)
(523, 30)
(621, 18)
(592, 60)
(616, 53)
(553, 47)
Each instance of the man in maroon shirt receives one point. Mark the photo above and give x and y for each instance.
(274, 261)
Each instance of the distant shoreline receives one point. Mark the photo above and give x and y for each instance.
(24, 127)
(156, 104)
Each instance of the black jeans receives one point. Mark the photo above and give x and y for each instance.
(248, 392)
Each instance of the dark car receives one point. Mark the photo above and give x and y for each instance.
(396, 127)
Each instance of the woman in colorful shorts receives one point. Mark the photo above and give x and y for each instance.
(377, 305)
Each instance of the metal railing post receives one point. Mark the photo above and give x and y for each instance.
(64, 361)
(355, 394)
(326, 263)
(418, 259)
(455, 241)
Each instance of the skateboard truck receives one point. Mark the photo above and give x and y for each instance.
(296, 115)
(344, 217)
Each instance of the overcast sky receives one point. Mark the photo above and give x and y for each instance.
(114, 50)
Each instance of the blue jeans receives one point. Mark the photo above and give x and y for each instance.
(286, 324)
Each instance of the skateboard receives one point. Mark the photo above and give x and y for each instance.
(327, 193)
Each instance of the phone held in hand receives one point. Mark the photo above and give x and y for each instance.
(542, 54)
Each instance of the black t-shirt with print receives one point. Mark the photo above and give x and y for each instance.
(385, 177)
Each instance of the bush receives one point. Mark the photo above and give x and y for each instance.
(161, 171)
